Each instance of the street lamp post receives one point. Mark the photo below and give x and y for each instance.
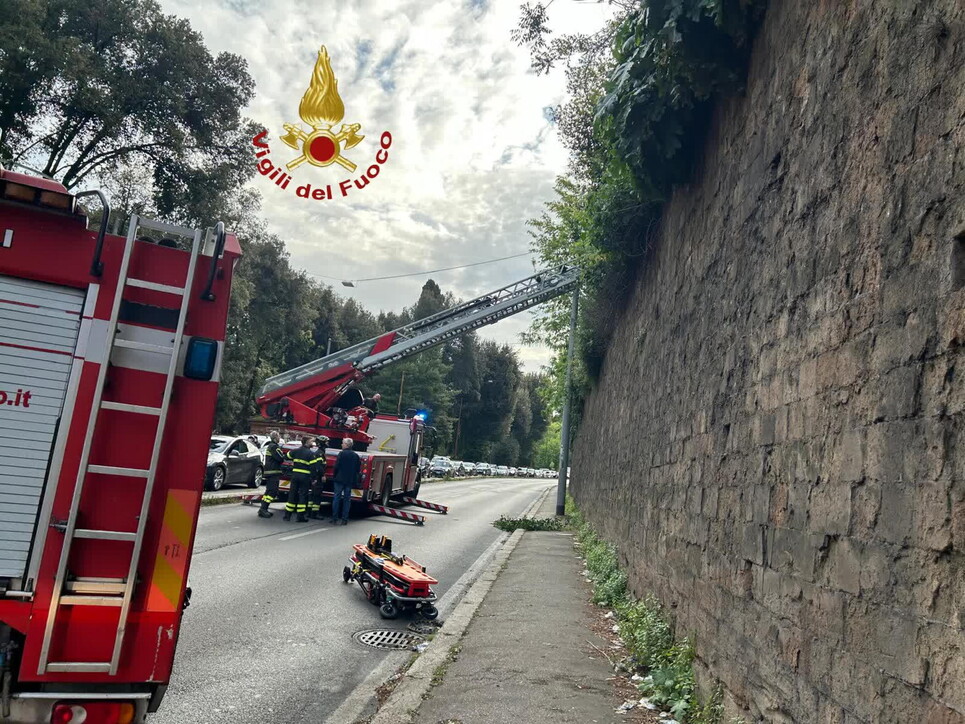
(567, 396)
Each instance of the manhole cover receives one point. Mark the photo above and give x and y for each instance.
(388, 638)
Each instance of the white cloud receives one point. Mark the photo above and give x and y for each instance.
(472, 159)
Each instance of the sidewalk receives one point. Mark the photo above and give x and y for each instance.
(527, 656)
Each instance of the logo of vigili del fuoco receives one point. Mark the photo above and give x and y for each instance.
(320, 144)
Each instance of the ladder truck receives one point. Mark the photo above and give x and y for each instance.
(110, 351)
(321, 398)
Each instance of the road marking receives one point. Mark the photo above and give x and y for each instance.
(302, 535)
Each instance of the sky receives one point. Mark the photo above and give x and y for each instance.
(473, 155)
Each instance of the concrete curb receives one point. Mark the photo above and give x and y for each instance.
(404, 701)
(223, 499)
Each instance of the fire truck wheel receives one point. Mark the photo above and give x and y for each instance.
(388, 610)
(256, 478)
(429, 612)
(386, 490)
(346, 574)
(415, 490)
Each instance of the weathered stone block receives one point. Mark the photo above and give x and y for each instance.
(898, 393)
(830, 510)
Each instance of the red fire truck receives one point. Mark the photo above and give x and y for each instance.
(110, 351)
(322, 398)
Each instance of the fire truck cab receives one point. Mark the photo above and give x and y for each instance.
(110, 353)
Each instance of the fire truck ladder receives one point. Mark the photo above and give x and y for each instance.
(428, 332)
(108, 591)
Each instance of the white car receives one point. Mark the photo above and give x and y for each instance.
(482, 469)
(502, 471)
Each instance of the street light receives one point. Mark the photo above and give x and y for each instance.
(346, 283)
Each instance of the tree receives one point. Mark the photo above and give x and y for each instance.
(270, 324)
(96, 89)
(488, 421)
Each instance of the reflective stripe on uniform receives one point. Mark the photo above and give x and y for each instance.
(266, 498)
(301, 470)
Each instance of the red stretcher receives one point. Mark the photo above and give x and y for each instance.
(393, 583)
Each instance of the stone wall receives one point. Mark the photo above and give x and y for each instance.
(777, 440)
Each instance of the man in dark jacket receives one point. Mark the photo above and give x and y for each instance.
(305, 464)
(274, 457)
(348, 466)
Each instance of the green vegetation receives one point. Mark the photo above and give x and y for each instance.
(647, 631)
(511, 524)
(641, 94)
(118, 93)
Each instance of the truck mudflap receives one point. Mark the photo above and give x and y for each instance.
(438, 507)
(396, 513)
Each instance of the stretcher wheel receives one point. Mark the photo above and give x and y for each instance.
(346, 574)
(388, 610)
(429, 612)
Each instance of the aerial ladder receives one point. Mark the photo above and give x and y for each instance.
(321, 397)
(306, 395)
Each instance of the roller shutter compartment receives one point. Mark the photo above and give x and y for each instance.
(38, 335)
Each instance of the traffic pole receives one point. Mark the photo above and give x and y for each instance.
(568, 396)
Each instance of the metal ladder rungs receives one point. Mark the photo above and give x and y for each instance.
(155, 286)
(164, 227)
(94, 534)
(82, 600)
(90, 667)
(125, 407)
(112, 470)
(143, 346)
(96, 586)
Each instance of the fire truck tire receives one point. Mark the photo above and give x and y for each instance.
(429, 612)
(415, 490)
(217, 478)
(386, 490)
(387, 610)
(256, 476)
(346, 574)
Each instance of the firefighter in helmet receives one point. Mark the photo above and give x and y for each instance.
(305, 464)
(274, 457)
(318, 482)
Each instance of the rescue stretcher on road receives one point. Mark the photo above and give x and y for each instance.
(393, 583)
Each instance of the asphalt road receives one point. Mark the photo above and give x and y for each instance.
(268, 635)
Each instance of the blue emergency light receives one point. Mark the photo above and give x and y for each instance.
(200, 358)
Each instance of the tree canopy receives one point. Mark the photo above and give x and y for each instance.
(116, 91)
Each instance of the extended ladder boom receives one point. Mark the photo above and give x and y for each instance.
(410, 339)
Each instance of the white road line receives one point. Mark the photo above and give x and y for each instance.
(302, 535)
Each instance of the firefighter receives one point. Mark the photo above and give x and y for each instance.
(274, 457)
(304, 468)
(318, 482)
(372, 403)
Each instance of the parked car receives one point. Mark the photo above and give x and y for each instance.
(440, 468)
(233, 460)
(482, 469)
(502, 470)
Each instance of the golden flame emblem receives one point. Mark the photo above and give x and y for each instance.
(321, 108)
